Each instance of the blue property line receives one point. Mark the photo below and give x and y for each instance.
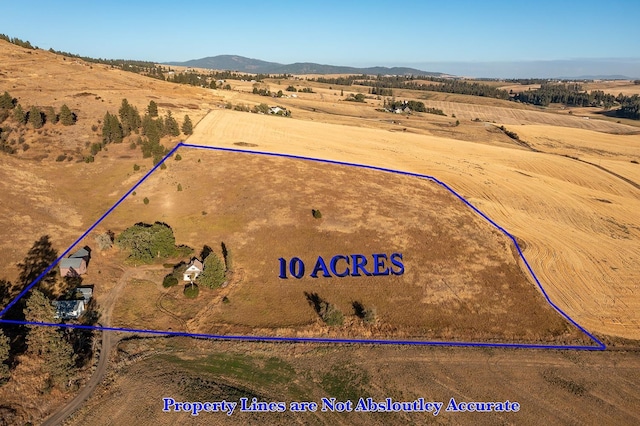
(600, 346)
(303, 339)
(91, 228)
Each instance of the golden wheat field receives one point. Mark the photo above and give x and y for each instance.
(579, 223)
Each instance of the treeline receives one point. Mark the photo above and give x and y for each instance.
(630, 107)
(568, 94)
(573, 95)
(139, 67)
(17, 42)
(438, 84)
(151, 128)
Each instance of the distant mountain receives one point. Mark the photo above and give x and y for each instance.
(256, 66)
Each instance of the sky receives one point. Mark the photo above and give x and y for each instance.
(471, 37)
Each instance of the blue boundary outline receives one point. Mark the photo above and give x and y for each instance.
(599, 345)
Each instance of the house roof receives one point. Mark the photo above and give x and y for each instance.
(81, 253)
(71, 262)
(195, 262)
(87, 292)
(68, 308)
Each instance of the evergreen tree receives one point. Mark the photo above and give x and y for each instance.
(111, 129)
(152, 109)
(4, 357)
(213, 274)
(129, 117)
(19, 115)
(6, 101)
(48, 343)
(35, 117)
(187, 126)
(171, 125)
(50, 115)
(67, 118)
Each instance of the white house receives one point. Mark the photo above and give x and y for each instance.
(68, 309)
(194, 268)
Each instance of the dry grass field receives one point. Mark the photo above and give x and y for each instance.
(583, 249)
(462, 280)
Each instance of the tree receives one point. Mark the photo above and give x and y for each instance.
(4, 357)
(50, 115)
(35, 117)
(171, 125)
(129, 117)
(38, 259)
(213, 274)
(111, 129)
(147, 242)
(19, 115)
(187, 126)
(5, 292)
(152, 109)
(67, 118)
(48, 343)
(6, 101)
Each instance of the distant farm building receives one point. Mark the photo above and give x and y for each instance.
(194, 269)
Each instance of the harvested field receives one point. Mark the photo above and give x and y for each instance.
(459, 271)
(583, 250)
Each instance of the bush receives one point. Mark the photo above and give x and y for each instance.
(178, 157)
(136, 167)
(89, 159)
(61, 157)
(146, 200)
(179, 187)
(331, 315)
(316, 213)
(214, 272)
(169, 281)
(191, 291)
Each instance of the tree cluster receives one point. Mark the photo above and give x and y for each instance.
(150, 126)
(567, 94)
(147, 242)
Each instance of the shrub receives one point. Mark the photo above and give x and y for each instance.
(25, 147)
(146, 200)
(316, 213)
(179, 187)
(178, 157)
(169, 281)
(331, 315)
(104, 241)
(89, 159)
(61, 157)
(136, 167)
(191, 291)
